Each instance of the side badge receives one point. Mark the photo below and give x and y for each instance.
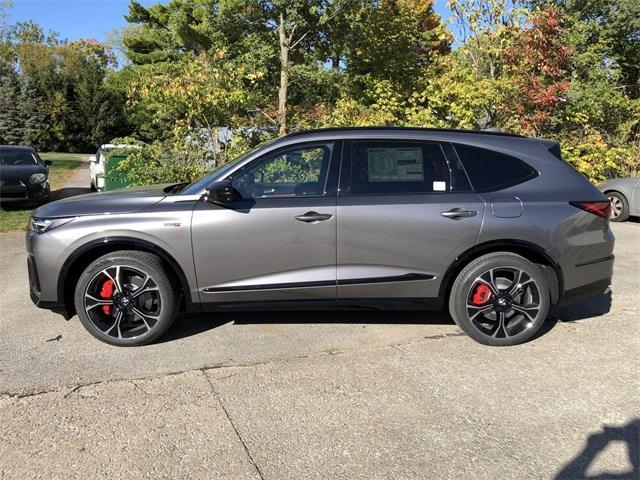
(173, 224)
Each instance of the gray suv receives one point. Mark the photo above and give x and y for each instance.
(495, 227)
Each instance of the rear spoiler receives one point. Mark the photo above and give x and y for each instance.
(552, 146)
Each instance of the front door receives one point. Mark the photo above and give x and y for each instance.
(405, 212)
(279, 241)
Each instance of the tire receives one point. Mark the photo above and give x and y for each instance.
(512, 316)
(619, 207)
(111, 310)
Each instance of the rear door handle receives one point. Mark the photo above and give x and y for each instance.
(458, 213)
(312, 217)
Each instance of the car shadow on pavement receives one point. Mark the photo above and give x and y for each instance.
(584, 310)
(576, 312)
(68, 192)
(628, 434)
(194, 324)
(187, 325)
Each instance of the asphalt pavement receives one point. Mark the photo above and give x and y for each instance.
(322, 394)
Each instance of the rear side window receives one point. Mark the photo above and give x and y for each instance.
(489, 170)
(383, 167)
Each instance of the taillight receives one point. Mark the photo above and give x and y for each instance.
(601, 208)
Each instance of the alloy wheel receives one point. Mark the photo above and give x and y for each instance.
(616, 206)
(503, 302)
(122, 302)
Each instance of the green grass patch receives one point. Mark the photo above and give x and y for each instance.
(14, 216)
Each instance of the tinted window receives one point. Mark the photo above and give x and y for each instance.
(296, 172)
(489, 170)
(395, 167)
(17, 157)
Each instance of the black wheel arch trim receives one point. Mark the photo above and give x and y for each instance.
(130, 243)
(557, 283)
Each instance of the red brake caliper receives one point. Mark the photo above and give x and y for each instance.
(107, 292)
(481, 294)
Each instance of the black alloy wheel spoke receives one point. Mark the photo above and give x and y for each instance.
(513, 306)
(130, 301)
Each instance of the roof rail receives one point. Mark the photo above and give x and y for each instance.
(491, 131)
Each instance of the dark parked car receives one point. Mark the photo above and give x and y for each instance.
(24, 176)
(495, 227)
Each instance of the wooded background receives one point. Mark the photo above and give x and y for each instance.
(562, 69)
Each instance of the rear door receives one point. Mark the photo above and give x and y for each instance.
(405, 212)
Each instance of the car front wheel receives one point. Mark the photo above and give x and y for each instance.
(500, 299)
(126, 298)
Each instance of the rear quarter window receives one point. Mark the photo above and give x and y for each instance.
(489, 170)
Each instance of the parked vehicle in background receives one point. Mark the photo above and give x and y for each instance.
(497, 227)
(103, 176)
(624, 195)
(24, 176)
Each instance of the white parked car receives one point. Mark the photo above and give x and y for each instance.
(96, 168)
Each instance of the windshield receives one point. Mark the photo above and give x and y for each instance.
(17, 157)
(197, 186)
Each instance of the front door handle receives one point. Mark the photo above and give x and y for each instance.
(458, 213)
(312, 217)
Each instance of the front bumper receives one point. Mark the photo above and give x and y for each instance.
(56, 305)
(21, 192)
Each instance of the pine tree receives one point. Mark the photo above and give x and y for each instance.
(11, 128)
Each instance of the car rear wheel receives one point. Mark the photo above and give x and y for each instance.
(500, 299)
(126, 298)
(619, 207)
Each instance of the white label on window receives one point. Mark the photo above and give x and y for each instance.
(439, 186)
(400, 164)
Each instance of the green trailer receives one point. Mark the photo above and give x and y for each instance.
(114, 179)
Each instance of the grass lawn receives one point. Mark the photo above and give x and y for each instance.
(15, 216)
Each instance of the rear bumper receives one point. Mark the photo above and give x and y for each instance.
(585, 292)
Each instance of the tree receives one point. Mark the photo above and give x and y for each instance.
(11, 130)
(537, 67)
(617, 26)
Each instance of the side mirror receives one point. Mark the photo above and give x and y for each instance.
(222, 192)
(93, 159)
(48, 162)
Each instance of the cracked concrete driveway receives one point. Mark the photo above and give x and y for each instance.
(322, 395)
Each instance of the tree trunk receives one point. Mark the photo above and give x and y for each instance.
(284, 77)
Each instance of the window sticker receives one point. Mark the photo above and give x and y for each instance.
(399, 164)
(439, 186)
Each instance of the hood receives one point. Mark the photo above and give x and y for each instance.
(10, 174)
(129, 200)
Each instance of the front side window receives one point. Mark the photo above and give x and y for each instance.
(294, 172)
(378, 167)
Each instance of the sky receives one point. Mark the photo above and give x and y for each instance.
(74, 19)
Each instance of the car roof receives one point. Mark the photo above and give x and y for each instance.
(400, 130)
(15, 147)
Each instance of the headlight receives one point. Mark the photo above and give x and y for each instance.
(37, 178)
(41, 225)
